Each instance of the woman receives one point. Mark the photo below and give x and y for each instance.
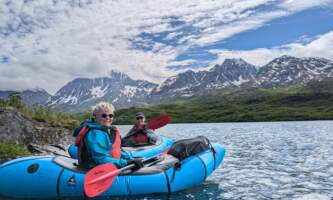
(99, 142)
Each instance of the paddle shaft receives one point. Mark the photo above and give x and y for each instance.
(118, 171)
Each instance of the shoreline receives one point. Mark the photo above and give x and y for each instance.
(268, 121)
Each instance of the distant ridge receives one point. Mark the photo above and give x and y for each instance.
(82, 93)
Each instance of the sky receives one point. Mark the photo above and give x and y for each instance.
(46, 44)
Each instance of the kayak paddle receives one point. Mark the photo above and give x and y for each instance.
(100, 178)
(158, 122)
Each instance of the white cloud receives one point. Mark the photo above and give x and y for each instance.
(181, 63)
(172, 35)
(294, 5)
(319, 47)
(52, 42)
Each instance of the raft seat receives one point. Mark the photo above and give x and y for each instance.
(155, 167)
(69, 163)
(158, 166)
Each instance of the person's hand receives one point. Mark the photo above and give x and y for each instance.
(152, 138)
(137, 162)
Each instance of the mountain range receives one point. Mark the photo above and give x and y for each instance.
(82, 93)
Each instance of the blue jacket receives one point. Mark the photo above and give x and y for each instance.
(98, 146)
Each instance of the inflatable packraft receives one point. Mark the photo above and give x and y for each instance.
(58, 176)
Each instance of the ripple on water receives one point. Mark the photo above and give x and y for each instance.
(270, 160)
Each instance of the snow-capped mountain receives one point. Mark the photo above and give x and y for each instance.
(118, 88)
(233, 72)
(29, 97)
(82, 93)
(287, 70)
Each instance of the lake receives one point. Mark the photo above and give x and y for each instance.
(265, 160)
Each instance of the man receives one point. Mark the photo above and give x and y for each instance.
(139, 134)
(99, 141)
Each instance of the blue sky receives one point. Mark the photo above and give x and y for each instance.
(302, 27)
(48, 43)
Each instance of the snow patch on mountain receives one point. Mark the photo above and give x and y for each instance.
(69, 99)
(239, 81)
(129, 91)
(97, 92)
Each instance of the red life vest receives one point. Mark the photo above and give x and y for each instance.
(115, 151)
(136, 136)
(141, 138)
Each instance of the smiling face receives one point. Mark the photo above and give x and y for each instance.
(104, 117)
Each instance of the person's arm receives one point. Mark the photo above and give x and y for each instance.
(152, 137)
(99, 145)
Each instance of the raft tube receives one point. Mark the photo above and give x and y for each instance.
(58, 177)
(145, 151)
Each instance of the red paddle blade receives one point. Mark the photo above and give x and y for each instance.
(99, 179)
(158, 122)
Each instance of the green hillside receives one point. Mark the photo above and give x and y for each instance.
(311, 102)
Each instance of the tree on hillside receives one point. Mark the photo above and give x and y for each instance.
(15, 100)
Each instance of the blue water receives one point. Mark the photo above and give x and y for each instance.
(266, 160)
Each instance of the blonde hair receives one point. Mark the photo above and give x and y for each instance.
(102, 106)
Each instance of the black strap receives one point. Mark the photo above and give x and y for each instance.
(214, 155)
(58, 182)
(168, 181)
(213, 151)
(175, 167)
(155, 161)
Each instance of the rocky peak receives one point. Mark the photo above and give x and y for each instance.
(182, 80)
(288, 70)
(229, 64)
(118, 88)
(232, 72)
(118, 76)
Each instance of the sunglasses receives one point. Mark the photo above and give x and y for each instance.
(106, 115)
(138, 118)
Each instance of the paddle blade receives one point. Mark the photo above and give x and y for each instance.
(158, 122)
(99, 179)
